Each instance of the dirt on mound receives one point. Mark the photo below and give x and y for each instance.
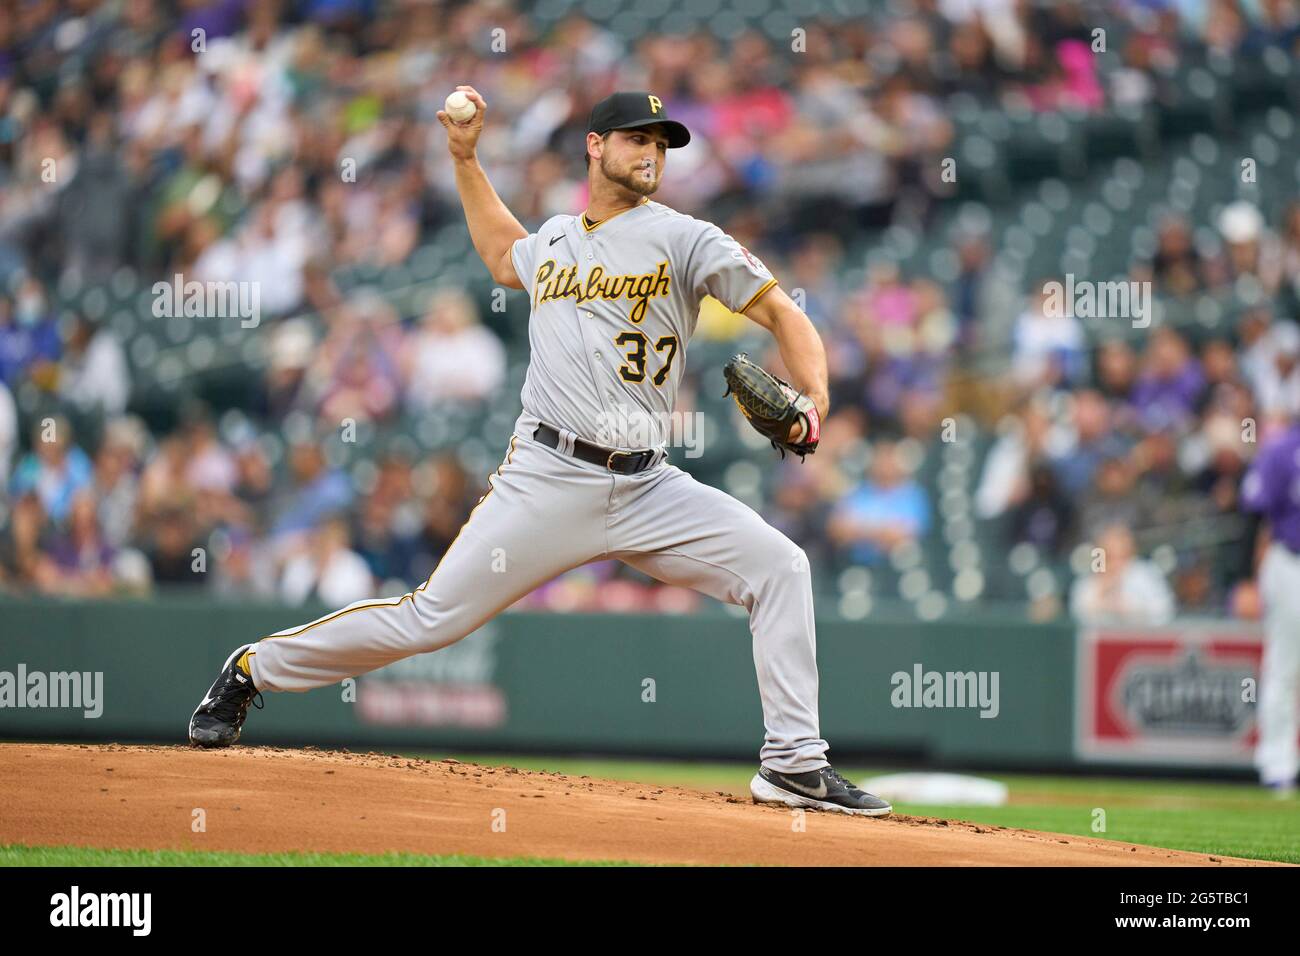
(264, 799)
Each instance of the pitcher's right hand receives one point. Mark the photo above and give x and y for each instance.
(463, 140)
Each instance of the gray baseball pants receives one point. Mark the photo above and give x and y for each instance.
(546, 512)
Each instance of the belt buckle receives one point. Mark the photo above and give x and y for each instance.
(643, 459)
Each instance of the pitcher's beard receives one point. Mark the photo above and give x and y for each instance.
(631, 179)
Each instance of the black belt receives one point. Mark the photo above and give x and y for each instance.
(623, 462)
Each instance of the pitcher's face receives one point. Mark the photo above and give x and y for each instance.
(635, 158)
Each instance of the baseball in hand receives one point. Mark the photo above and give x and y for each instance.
(460, 107)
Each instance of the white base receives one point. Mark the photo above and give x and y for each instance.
(938, 789)
(764, 792)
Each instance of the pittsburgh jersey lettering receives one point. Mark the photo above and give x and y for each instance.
(563, 283)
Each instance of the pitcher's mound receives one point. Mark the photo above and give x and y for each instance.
(263, 799)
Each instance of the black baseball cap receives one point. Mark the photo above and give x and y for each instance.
(630, 110)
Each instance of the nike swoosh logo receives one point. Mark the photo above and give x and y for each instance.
(556, 239)
(818, 793)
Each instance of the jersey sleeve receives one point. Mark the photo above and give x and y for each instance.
(522, 254)
(721, 267)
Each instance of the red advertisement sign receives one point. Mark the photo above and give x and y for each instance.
(1181, 694)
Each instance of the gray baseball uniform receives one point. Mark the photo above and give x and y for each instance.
(613, 307)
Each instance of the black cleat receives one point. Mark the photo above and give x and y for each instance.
(822, 789)
(220, 717)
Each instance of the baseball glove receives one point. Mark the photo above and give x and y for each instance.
(773, 407)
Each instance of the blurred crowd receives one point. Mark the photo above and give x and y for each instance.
(281, 142)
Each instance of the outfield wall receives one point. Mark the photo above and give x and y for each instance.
(632, 684)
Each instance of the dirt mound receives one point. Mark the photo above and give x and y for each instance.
(263, 799)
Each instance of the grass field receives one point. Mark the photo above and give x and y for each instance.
(82, 856)
(1235, 819)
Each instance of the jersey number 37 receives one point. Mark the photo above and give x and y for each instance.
(633, 369)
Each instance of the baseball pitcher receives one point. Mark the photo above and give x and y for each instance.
(614, 294)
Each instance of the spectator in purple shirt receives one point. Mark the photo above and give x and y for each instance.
(217, 19)
(1169, 389)
(80, 561)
